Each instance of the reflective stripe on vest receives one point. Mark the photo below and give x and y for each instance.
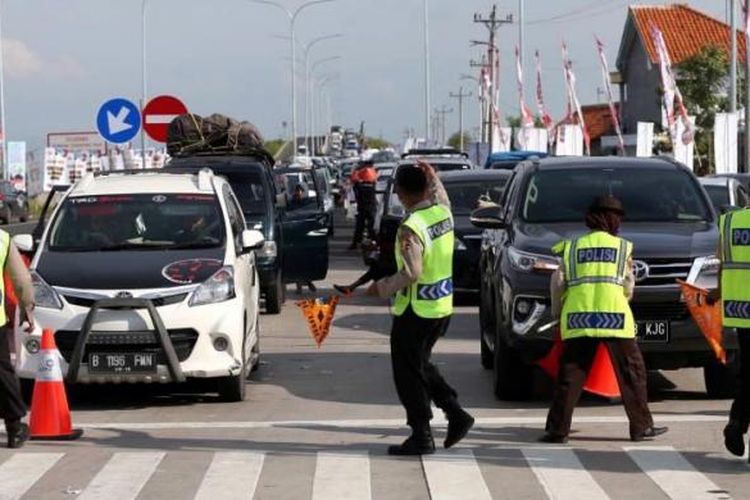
(432, 295)
(594, 303)
(735, 268)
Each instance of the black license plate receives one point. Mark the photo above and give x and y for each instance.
(652, 331)
(129, 362)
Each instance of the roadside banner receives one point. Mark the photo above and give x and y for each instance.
(502, 139)
(17, 164)
(684, 152)
(569, 141)
(610, 98)
(645, 140)
(573, 102)
(725, 143)
(707, 317)
(532, 139)
(319, 314)
(527, 119)
(544, 115)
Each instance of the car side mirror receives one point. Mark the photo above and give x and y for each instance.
(487, 218)
(24, 242)
(252, 239)
(725, 209)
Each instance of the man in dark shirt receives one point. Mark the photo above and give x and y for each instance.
(363, 179)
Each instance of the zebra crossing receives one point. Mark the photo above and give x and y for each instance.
(476, 474)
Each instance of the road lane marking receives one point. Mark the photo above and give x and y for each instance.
(394, 423)
(454, 474)
(231, 475)
(673, 473)
(19, 473)
(562, 475)
(342, 476)
(123, 476)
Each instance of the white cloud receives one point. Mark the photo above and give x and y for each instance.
(22, 62)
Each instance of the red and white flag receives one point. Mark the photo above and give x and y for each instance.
(608, 87)
(541, 108)
(527, 118)
(570, 81)
(746, 18)
(671, 93)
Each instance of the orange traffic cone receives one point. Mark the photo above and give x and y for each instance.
(602, 379)
(50, 414)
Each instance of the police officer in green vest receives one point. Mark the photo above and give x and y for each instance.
(590, 294)
(422, 291)
(735, 298)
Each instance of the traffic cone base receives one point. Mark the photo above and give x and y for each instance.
(50, 415)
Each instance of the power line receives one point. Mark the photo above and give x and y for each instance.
(588, 11)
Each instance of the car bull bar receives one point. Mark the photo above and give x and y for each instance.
(125, 303)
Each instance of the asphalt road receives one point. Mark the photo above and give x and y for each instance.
(317, 423)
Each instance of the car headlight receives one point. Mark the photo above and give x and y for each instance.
(268, 249)
(44, 295)
(459, 245)
(528, 262)
(217, 288)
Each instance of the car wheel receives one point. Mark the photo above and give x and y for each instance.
(487, 356)
(721, 380)
(233, 389)
(275, 295)
(513, 379)
(255, 353)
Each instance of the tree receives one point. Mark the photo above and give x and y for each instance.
(455, 140)
(274, 145)
(376, 143)
(702, 80)
(515, 122)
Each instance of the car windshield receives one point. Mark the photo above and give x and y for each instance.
(647, 194)
(137, 222)
(250, 193)
(719, 195)
(467, 196)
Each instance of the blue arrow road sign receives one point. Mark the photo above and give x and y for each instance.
(118, 121)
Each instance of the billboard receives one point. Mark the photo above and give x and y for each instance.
(17, 164)
(77, 142)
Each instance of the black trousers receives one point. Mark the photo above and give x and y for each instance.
(741, 407)
(418, 381)
(12, 406)
(365, 220)
(575, 364)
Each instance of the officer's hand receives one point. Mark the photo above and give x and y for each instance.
(28, 317)
(372, 290)
(426, 168)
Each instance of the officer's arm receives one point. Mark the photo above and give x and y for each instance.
(557, 289)
(629, 279)
(411, 253)
(438, 194)
(20, 278)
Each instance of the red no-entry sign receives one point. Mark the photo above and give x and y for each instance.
(158, 113)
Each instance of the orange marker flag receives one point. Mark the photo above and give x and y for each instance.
(708, 317)
(319, 314)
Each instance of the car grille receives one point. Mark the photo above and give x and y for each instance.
(664, 272)
(183, 341)
(669, 311)
(158, 302)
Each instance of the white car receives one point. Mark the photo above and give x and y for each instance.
(147, 277)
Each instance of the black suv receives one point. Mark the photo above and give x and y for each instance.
(674, 231)
(253, 183)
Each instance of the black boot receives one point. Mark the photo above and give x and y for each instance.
(734, 440)
(419, 443)
(649, 433)
(18, 433)
(459, 424)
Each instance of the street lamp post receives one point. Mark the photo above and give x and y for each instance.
(2, 104)
(143, 79)
(308, 86)
(427, 98)
(317, 97)
(313, 67)
(292, 15)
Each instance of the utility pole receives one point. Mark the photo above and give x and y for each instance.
(427, 83)
(460, 96)
(492, 23)
(733, 66)
(441, 112)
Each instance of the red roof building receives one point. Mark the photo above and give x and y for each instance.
(686, 32)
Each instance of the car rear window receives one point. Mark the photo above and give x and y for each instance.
(151, 221)
(719, 195)
(467, 196)
(250, 192)
(647, 194)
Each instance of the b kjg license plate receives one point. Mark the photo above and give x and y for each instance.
(122, 362)
(652, 331)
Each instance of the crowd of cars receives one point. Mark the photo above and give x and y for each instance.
(160, 276)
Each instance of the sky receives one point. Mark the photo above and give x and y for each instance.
(63, 58)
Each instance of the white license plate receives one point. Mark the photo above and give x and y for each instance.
(122, 362)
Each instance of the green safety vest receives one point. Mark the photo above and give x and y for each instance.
(594, 303)
(4, 249)
(432, 294)
(735, 268)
